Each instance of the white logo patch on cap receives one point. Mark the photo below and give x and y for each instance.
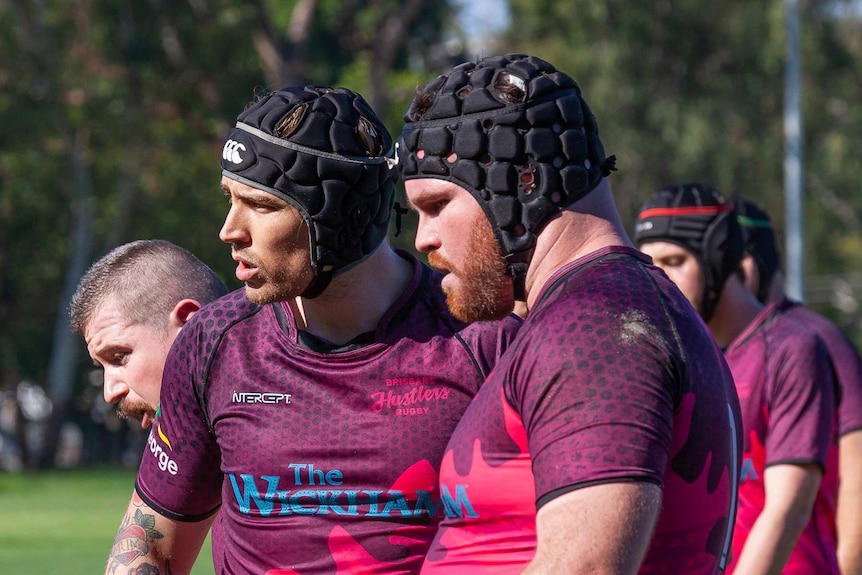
(231, 150)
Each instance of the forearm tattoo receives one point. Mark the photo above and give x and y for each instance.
(133, 542)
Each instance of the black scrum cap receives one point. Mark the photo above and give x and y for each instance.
(701, 220)
(759, 237)
(517, 134)
(325, 152)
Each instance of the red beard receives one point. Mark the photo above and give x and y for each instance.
(485, 289)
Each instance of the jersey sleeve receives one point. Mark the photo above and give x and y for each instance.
(597, 400)
(848, 368)
(801, 402)
(180, 471)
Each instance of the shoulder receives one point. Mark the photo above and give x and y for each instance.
(612, 280)
(219, 315)
(623, 300)
(791, 332)
(795, 351)
(830, 333)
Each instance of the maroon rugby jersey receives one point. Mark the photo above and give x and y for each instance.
(845, 361)
(613, 377)
(786, 390)
(323, 463)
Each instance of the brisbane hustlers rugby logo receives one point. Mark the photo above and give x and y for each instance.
(409, 395)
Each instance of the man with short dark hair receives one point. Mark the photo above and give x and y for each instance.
(783, 376)
(129, 306)
(761, 264)
(313, 406)
(612, 416)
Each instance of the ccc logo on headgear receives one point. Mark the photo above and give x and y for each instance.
(231, 150)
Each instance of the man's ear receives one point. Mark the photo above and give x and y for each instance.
(183, 311)
(750, 273)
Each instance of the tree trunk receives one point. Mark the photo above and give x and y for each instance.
(392, 36)
(283, 63)
(61, 369)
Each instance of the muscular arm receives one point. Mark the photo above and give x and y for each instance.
(849, 519)
(145, 537)
(602, 530)
(790, 494)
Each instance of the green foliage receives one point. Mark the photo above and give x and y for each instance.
(689, 90)
(126, 103)
(122, 106)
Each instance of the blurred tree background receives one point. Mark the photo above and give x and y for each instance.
(113, 113)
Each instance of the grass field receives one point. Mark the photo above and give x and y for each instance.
(65, 521)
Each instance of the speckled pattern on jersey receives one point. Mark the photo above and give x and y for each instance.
(613, 377)
(323, 463)
(845, 360)
(786, 391)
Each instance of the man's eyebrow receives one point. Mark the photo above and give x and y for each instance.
(110, 348)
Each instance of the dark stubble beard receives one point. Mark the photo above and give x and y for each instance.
(279, 286)
(485, 290)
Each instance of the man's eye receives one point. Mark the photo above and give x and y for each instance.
(259, 205)
(436, 207)
(119, 358)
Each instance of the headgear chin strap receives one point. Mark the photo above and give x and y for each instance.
(325, 152)
(700, 220)
(515, 133)
(760, 242)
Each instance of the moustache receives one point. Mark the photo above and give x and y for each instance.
(439, 263)
(133, 410)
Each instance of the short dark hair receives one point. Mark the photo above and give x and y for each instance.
(147, 278)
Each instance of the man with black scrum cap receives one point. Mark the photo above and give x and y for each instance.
(313, 406)
(761, 264)
(611, 418)
(783, 374)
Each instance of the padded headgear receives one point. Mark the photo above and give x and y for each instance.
(326, 153)
(515, 133)
(702, 221)
(759, 241)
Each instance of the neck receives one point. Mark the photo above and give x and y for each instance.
(736, 309)
(355, 301)
(776, 288)
(587, 225)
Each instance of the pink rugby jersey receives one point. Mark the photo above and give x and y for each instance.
(613, 378)
(318, 462)
(786, 390)
(845, 361)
